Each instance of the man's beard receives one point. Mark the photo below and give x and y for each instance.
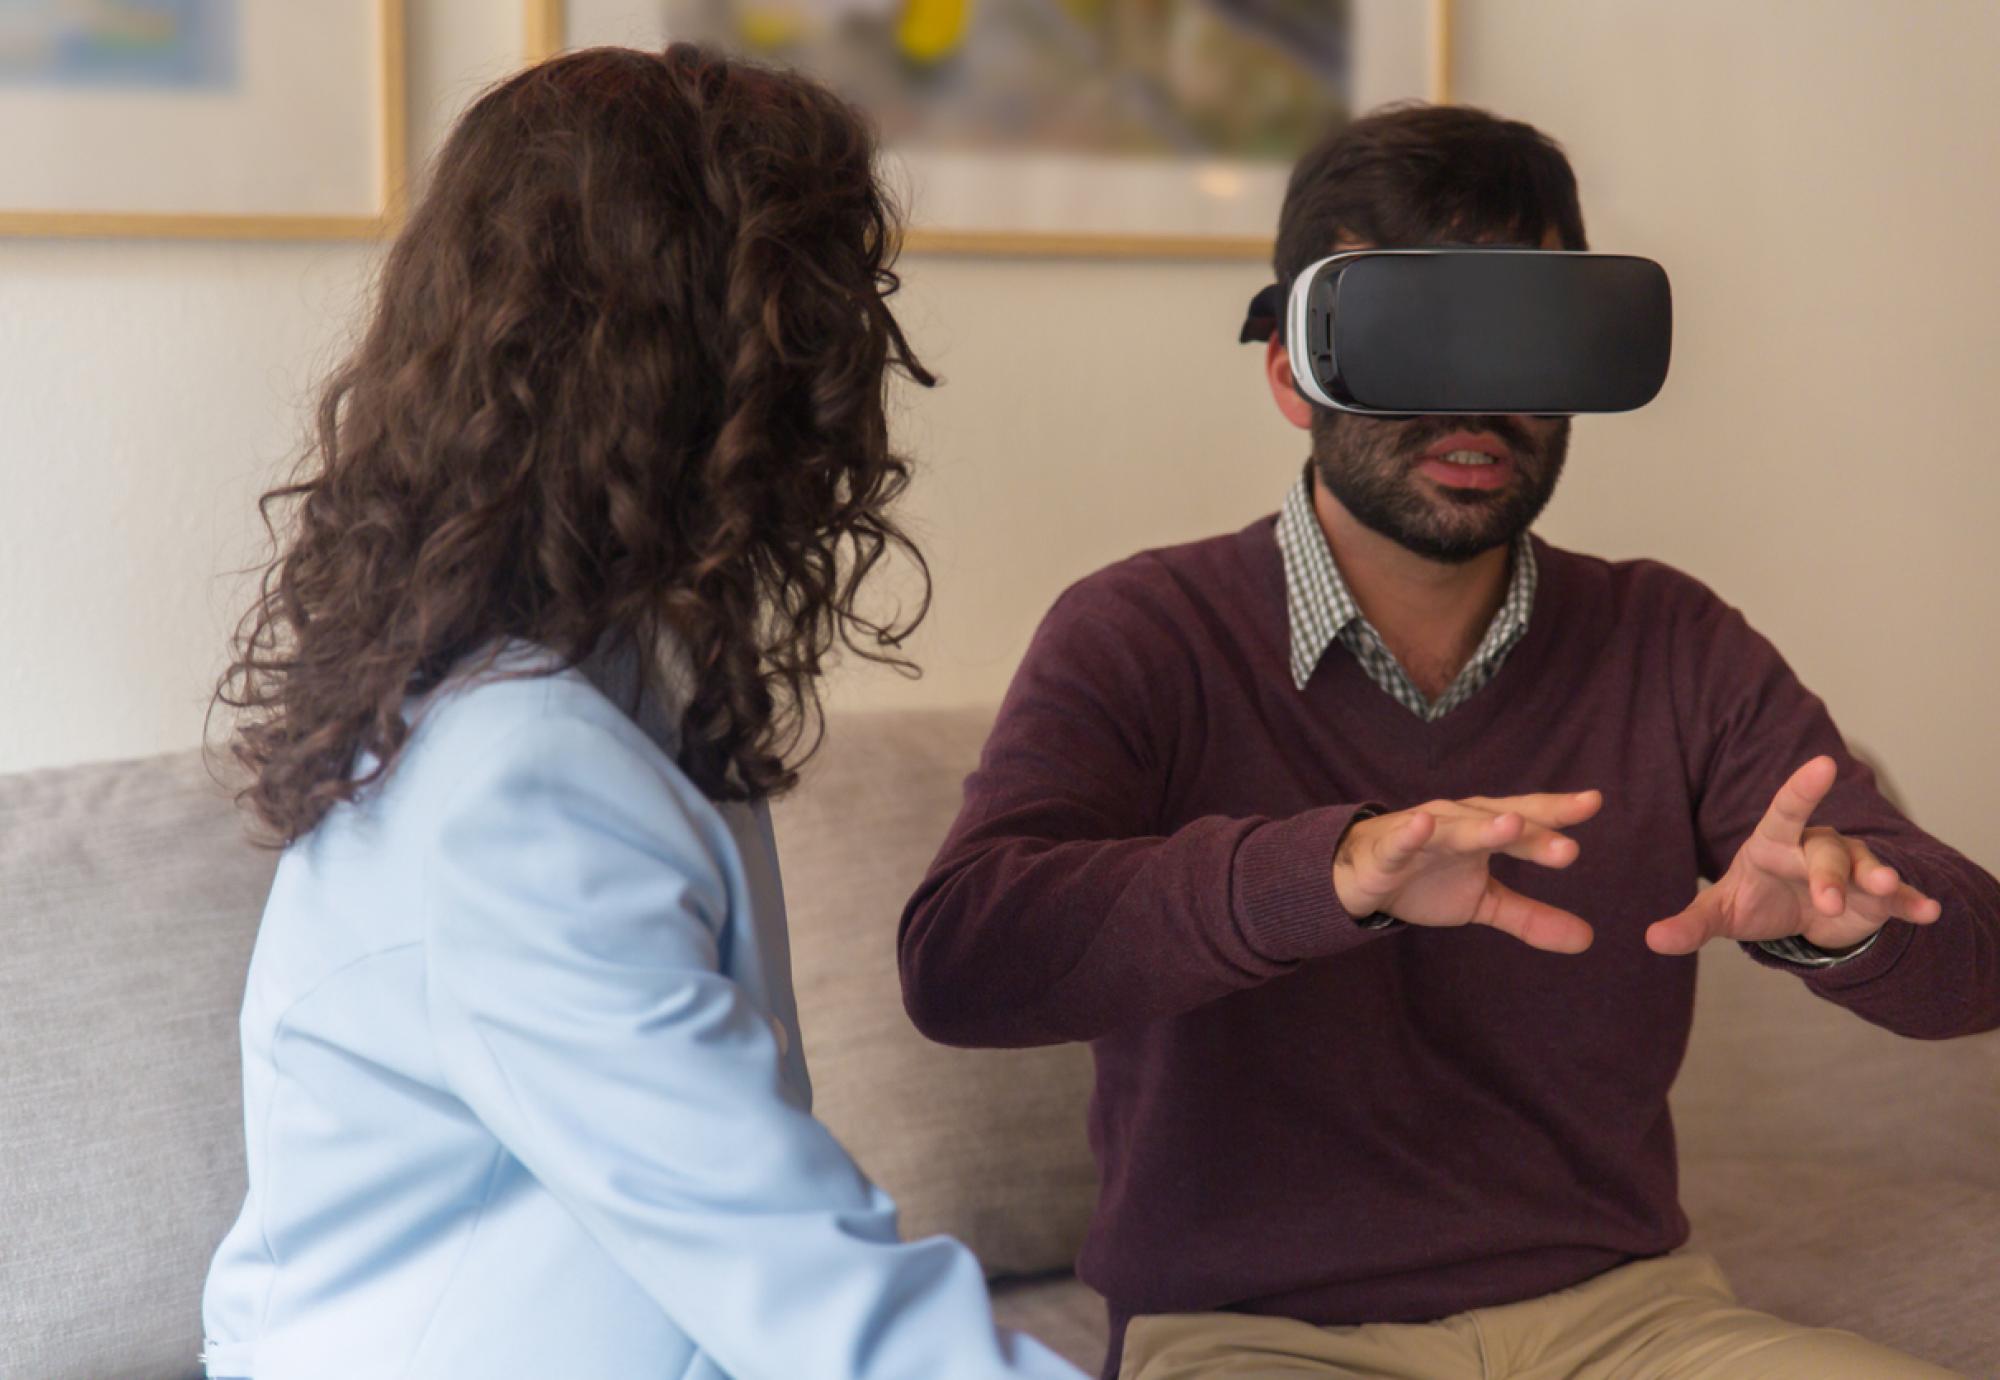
(1370, 465)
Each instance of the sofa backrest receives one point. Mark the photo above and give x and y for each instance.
(1773, 1072)
(128, 901)
(985, 1145)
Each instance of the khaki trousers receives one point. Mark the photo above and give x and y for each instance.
(1674, 1316)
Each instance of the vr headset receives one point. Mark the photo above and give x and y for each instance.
(1405, 332)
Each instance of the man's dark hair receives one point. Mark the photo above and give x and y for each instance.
(1411, 175)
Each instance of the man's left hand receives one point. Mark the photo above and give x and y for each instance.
(1791, 878)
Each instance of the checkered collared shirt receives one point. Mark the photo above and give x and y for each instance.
(1322, 611)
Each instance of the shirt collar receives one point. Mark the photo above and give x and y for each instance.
(1320, 607)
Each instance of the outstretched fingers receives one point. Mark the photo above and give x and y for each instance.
(1477, 833)
(1535, 924)
(1688, 931)
(1509, 832)
(1912, 905)
(1792, 808)
(1828, 867)
(1395, 851)
(1883, 882)
(1549, 810)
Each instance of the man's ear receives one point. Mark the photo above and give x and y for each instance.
(1278, 373)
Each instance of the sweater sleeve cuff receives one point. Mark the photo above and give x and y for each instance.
(1281, 888)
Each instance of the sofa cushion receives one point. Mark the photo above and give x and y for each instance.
(1061, 1312)
(1774, 1070)
(988, 1146)
(131, 900)
(1904, 1259)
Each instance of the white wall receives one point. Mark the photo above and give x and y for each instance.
(148, 392)
(1818, 178)
(1822, 181)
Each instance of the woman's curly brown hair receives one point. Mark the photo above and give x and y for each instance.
(623, 386)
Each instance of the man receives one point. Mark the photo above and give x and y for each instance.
(1364, 846)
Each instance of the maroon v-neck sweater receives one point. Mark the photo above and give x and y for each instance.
(1299, 1117)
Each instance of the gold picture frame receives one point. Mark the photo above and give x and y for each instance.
(391, 176)
(544, 27)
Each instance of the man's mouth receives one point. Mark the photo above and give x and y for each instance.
(1468, 460)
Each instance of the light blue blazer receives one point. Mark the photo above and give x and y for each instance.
(524, 1093)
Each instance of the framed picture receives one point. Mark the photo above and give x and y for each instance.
(234, 119)
(1160, 128)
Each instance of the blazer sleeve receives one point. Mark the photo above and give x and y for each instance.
(577, 898)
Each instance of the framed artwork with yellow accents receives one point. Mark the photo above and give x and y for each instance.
(1161, 128)
(231, 119)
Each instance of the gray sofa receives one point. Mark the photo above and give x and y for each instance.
(1842, 1175)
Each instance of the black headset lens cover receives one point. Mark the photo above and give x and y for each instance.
(1477, 331)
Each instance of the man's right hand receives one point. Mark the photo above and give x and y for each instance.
(1428, 866)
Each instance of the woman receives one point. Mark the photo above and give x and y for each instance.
(588, 506)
